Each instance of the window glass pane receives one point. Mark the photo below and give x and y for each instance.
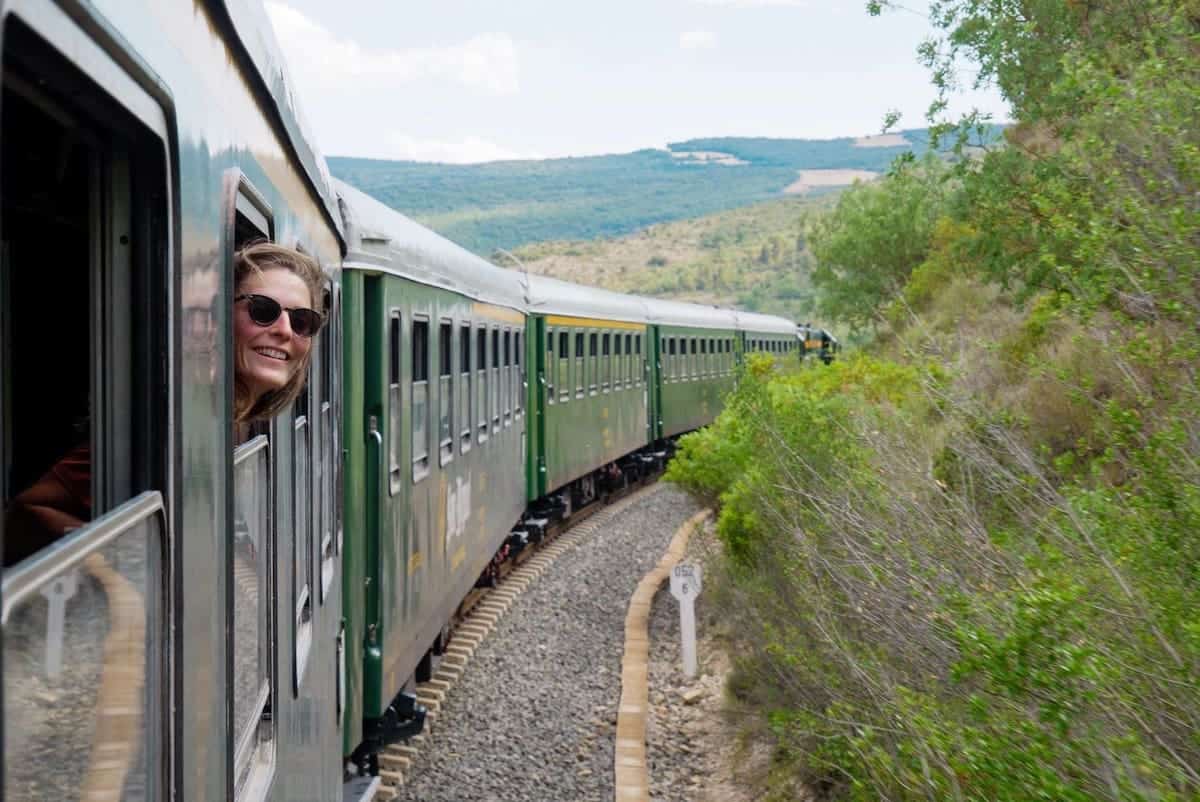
(445, 386)
(481, 360)
(464, 366)
(420, 394)
(83, 671)
(252, 550)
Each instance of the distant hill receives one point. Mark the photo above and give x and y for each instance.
(508, 204)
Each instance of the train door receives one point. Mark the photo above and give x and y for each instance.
(85, 447)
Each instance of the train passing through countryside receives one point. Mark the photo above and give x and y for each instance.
(243, 613)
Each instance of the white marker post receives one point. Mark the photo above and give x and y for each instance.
(685, 586)
(57, 594)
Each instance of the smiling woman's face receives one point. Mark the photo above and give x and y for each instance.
(268, 355)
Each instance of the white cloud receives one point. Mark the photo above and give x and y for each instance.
(319, 58)
(694, 40)
(755, 3)
(469, 150)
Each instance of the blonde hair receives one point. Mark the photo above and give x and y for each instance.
(253, 260)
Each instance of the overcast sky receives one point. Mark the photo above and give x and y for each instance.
(477, 80)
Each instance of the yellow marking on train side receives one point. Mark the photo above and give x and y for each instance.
(459, 556)
(415, 561)
(604, 414)
(592, 323)
(499, 314)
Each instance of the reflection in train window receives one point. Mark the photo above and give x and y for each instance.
(84, 259)
(519, 373)
(580, 370)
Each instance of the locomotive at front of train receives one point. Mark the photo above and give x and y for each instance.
(181, 641)
(435, 429)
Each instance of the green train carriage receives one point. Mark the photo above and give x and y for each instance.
(435, 428)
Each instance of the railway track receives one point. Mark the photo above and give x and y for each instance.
(483, 609)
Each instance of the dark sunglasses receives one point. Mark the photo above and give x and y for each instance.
(264, 311)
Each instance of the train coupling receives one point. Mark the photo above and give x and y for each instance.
(404, 718)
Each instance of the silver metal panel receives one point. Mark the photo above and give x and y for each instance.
(380, 238)
(765, 324)
(551, 296)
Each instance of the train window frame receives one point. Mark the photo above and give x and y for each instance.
(303, 606)
(465, 395)
(132, 360)
(497, 386)
(518, 376)
(507, 373)
(593, 362)
(580, 363)
(420, 324)
(481, 375)
(395, 400)
(605, 361)
(327, 418)
(262, 733)
(446, 397)
(563, 365)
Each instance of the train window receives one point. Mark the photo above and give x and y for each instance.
(445, 392)
(508, 377)
(420, 399)
(497, 389)
(563, 366)
(464, 387)
(84, 365)
(630, 362)
(593, 362)
(253, 557)
(639, 366)
(606, 361)
(580, 365)
(618, 363)
(518, 375)
(481, 375)
(703, 371)
(302, 531)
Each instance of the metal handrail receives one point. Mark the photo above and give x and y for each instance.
(25, 579)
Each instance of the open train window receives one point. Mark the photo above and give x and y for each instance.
(395, 410)
(84, 328)
(563, 366)
(325, 464)
(254, 542)
(445, 392)
(420, 399)
(464, 387)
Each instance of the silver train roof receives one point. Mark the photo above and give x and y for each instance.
(257, 35)
(551, 296)
(378, 237)
(766, 324)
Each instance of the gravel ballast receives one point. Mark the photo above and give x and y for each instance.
(534, 714)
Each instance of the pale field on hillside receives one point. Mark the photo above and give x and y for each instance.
(820, 179)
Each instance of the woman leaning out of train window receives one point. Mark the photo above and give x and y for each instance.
(274, 321)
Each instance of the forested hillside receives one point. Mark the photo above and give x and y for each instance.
(963, 562)
(755, 258)
(507, 204)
